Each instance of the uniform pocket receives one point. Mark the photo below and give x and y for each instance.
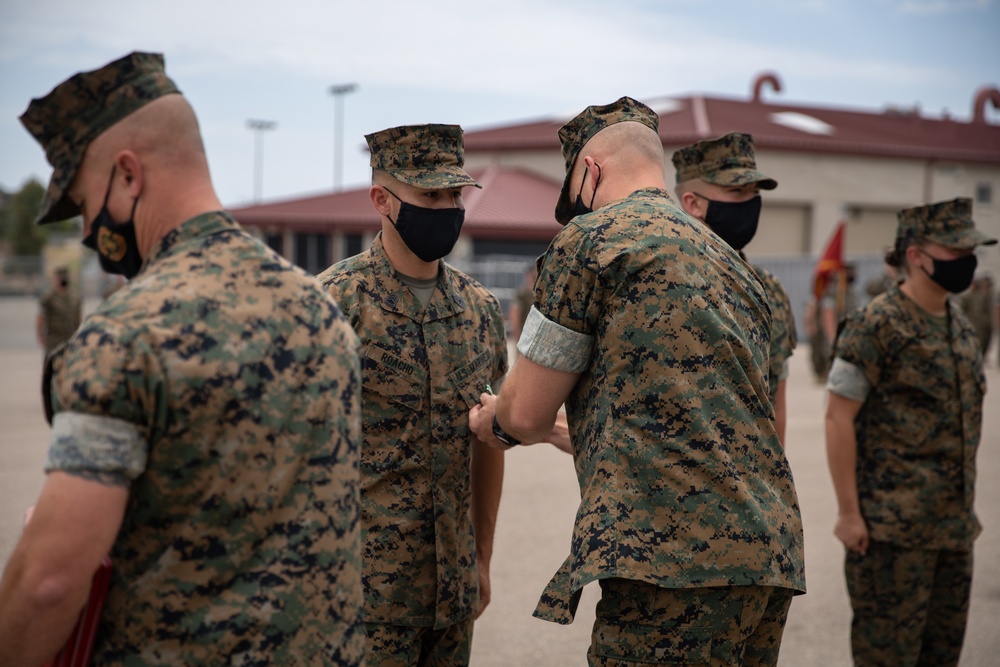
(393, 379)
(470, 380)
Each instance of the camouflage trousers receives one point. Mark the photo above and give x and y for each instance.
(639, 623)
(910, 605)
(409, 646)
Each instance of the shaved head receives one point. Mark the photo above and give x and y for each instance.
(633, 146)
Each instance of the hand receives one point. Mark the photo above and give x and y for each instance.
(484, 587)
(481, 421)
(559, 437)
(852, 531)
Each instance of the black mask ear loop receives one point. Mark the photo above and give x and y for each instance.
(584, 179)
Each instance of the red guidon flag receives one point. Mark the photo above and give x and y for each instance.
(831, 262)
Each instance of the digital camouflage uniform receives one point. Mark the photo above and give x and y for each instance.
(683, 482)
(423, 369)
(222, 387)
(730, 161)
(61, 312)
(917, 435)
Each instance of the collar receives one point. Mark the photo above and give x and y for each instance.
(396, 297)
(205, 224)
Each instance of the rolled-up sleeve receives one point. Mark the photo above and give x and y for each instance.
(552, 345)
(92, 443)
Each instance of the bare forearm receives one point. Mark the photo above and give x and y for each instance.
(487, 487)
(37, 613)
(841, 453)
(780, 411)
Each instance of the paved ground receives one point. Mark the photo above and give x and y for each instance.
(536, 515)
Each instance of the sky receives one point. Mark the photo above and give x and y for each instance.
(479, 64)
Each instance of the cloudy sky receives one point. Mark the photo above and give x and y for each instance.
(479, 64)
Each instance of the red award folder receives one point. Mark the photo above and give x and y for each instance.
(76, 652)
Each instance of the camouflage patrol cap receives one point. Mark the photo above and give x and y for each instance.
(947, 223)
(426, 156)
(79, 109)
(727, 161)
(575, 134)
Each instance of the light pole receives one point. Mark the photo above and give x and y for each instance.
(338, 92)
(258, 127)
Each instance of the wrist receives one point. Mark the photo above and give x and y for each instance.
(502, 435)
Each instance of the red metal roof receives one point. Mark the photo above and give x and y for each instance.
(513, 203)
(684, 120)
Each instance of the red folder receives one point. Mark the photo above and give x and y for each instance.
(76, 652)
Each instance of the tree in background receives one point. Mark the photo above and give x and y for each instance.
(17, 220)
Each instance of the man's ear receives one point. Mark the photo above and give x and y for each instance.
(693, 204)
(380, 200)
(128, 168)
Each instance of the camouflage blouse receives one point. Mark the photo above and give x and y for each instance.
(918, 429)
(683, 481)
(423, 370)
(222, 386)
(783, 339)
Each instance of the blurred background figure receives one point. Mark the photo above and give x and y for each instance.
(978, 304)
(521, 304)
(59, 312)
(882, 282)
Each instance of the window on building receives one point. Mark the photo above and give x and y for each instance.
(312, 252)
(352, 245)
(984, 193)
(275, 242)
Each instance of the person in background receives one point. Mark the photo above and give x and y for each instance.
(205, 418)
(719, 184)
(903, 424)
(59, 312)
(978, 304)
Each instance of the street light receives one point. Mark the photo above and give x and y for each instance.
(258, 127)
(338, 92)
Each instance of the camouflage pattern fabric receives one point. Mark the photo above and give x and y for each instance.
(910, 606)
(79, 109)
(948, 223)
(61, 310)
(408, 646)
(641, 624)
(783, 338)
(241, 539)
(726, 161)
(978, 305)
(683, 481)
(426, 156)
(575, 134)
(423, 369)
(919, 428)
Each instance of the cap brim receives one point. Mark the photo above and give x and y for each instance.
(440, 178)
(963, 240)
(564, 209)
(730, 177)
(56, 206)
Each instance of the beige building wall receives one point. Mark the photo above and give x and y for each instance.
(817, 190)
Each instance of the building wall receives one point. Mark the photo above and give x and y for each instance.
(817, 190)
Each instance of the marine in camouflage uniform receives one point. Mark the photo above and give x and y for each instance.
(656, 334)
(903, 426)
(726, 169)
(59, 314)
(431, 344)
(205, 422)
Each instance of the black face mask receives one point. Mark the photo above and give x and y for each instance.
(734, 222)
(955, 275)
(429, 233)
(115, 242)
(579, 208)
